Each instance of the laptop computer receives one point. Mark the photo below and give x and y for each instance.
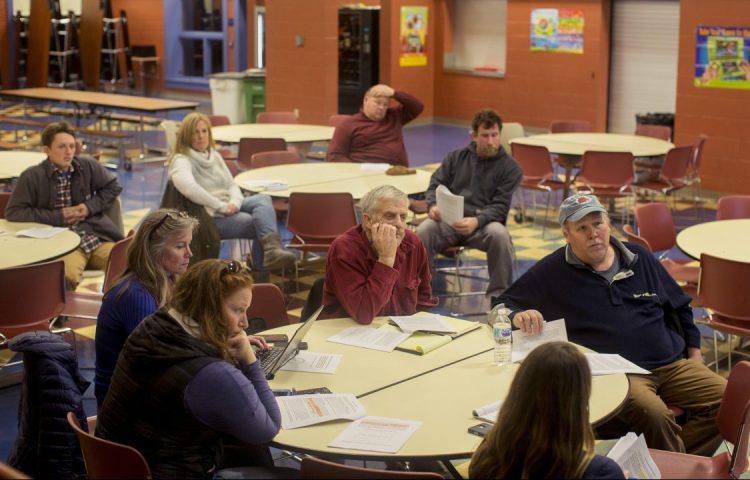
(274, 358)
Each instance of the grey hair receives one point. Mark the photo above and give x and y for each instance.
(369, 203)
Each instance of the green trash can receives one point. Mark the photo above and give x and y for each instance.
(255, 94)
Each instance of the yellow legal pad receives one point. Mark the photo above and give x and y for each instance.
(420, 343)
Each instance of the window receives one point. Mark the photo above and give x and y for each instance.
(260, 37)
(478, 37)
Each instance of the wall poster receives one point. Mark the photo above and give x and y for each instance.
(413, 37)
(722, 57)
(557, 30)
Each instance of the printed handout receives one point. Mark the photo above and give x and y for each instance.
(313, 362)
(376, 434)
(451, 206)
(369, 337)
(42, 232)
(422, 323)
(303, 410)
(631, 453)
(611, 363)
(524, 343)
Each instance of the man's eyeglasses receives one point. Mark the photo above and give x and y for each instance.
(232, 266)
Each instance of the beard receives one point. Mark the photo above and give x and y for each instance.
(487, 150)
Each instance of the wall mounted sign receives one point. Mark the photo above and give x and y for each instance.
(557, 30)
(722, 57)
(413, 37)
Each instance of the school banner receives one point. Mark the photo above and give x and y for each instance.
(413, 37)
(557, 30)
(722, 57)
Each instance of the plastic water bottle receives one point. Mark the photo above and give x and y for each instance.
(499, 319)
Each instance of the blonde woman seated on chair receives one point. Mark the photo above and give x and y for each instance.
(543, 428)
(199, 173)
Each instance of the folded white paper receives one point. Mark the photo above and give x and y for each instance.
(422, 323)
(303, 410)
(631, 453)
(43, 232)
(374, 167)
(376, 434)
(451, 206)
(489, 412)
(524, 343)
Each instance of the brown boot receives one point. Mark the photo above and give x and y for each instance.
(274, 256)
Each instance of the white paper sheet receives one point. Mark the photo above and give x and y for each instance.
(43, 232)
(313, 362)
(523, 343)
(303, 410)
(610, 363)
(489, 412)
(631, 453)
(375, 167)
(269, 185)
(451, 206)
(423, 323)
(376, 434)
(368, 337)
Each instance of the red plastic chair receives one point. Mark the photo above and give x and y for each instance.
(4, 198)
(694, 178)
(608, 175)
(570, 126)
(674, 172)
(732, 420)
(268, 304)
(87, 305)
(336, 119)
(250, 146)
(219, 120)
(733, 207)
(723, 289)
(662, 132)
(316, 469)
(686, 275)
(276, 117)
(108, 460)
(538, 175)
(316, 219)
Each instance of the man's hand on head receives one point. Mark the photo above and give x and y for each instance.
(382, 90)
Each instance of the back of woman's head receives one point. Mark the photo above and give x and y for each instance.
(147, 250)
(184, 141)
(543, 428)
(200, 292)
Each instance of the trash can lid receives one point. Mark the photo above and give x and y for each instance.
(229, 75)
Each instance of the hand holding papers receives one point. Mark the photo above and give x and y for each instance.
(524, 343)
(368, 337)
(631, 453)
(44, 232)
(451, 206)
(303, 410)
(313, 362)
(610, 363)
(376, 434)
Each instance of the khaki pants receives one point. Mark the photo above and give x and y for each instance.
(686, 384)
(77, 261)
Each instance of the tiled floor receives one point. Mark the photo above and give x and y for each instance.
(426, 144)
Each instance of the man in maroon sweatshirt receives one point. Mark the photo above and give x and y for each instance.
(374, 134)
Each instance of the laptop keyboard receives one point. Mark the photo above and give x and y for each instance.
(268, 358)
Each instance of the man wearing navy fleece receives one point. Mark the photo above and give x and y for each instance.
(617, 298)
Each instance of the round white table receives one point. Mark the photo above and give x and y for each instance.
(440, 389)
(728, 239)
(291, 132)
(14, 162)
(578, 143)
(18, 251)
(330, 177)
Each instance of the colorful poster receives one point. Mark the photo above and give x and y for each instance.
(722, 57)
(413, 37)
(557, 30)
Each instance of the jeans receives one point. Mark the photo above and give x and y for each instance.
(255, 220)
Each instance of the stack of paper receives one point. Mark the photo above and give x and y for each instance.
(368, 337)
(489, 412)
(269, 185)
(423, 323)
(43, 232)
(422, 342)
(631, 453)
(313, 362)
(611, 363)
(524, 343)
(303, 410)
(376, 434)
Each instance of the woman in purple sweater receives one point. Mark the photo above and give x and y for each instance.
(159, 253)
(188, 378)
